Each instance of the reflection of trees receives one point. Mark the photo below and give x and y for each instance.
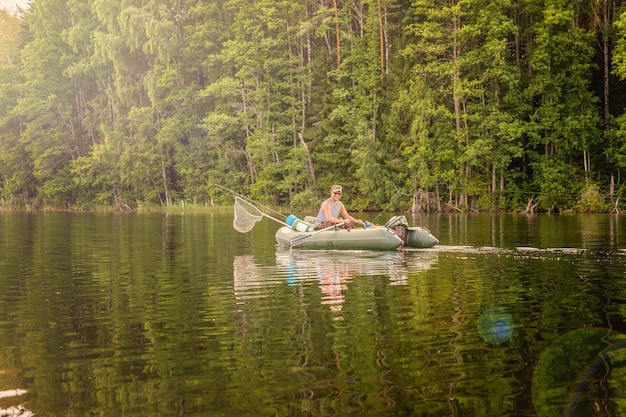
(140, 320)
(590, 231)
(108, 320)
(580, 373)
(337, 365)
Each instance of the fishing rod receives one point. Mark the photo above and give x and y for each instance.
(395, 195)
(248, 199)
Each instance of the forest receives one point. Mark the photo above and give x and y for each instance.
(419, 105)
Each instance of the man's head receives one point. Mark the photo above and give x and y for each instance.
(336, 190)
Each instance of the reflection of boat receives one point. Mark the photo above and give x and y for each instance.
(324, 267)
(304, 265)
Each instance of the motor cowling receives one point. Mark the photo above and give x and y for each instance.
(400, 226)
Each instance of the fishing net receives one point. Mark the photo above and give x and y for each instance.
(246, 215)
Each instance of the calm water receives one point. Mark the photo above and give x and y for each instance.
(179, 315)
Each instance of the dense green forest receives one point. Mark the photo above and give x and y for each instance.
(423, 105)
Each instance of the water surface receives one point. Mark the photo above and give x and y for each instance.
(169, 315)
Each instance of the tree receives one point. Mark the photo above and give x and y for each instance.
(418, 124)
(255, 105)
(411, 103)
(15, 163)
(53, 132)
(565, 124)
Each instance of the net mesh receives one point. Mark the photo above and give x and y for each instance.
(246, 215)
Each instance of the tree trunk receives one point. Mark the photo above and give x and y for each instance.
(168, 197)
(337, 34)
(493, 182)
(530, 207)
(606, 5)
(382, 42)
(501, 194)
(310, 167)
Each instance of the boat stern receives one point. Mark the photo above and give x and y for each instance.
(420, 237)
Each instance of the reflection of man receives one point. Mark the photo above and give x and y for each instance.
(333, 278)
(247, 276)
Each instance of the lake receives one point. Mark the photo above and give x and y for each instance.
(111, 314)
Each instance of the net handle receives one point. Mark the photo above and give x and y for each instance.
(250, 201)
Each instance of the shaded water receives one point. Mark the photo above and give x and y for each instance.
(170, 315)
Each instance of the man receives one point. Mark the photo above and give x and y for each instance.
(331, 209)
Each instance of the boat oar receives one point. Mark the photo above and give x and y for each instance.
(299, 239)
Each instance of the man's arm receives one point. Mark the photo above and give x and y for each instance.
(348, 217)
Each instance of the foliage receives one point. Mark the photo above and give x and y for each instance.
(591, 200)
(478, 105)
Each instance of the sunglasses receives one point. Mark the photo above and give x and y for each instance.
(337, 192)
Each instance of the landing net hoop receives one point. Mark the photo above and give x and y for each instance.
(246, 215)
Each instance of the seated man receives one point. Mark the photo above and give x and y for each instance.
(331, 209)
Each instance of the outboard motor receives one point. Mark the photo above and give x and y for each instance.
(400, 226)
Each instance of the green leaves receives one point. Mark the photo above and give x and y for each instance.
(466, 100)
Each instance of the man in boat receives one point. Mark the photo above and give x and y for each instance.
(331, 209)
